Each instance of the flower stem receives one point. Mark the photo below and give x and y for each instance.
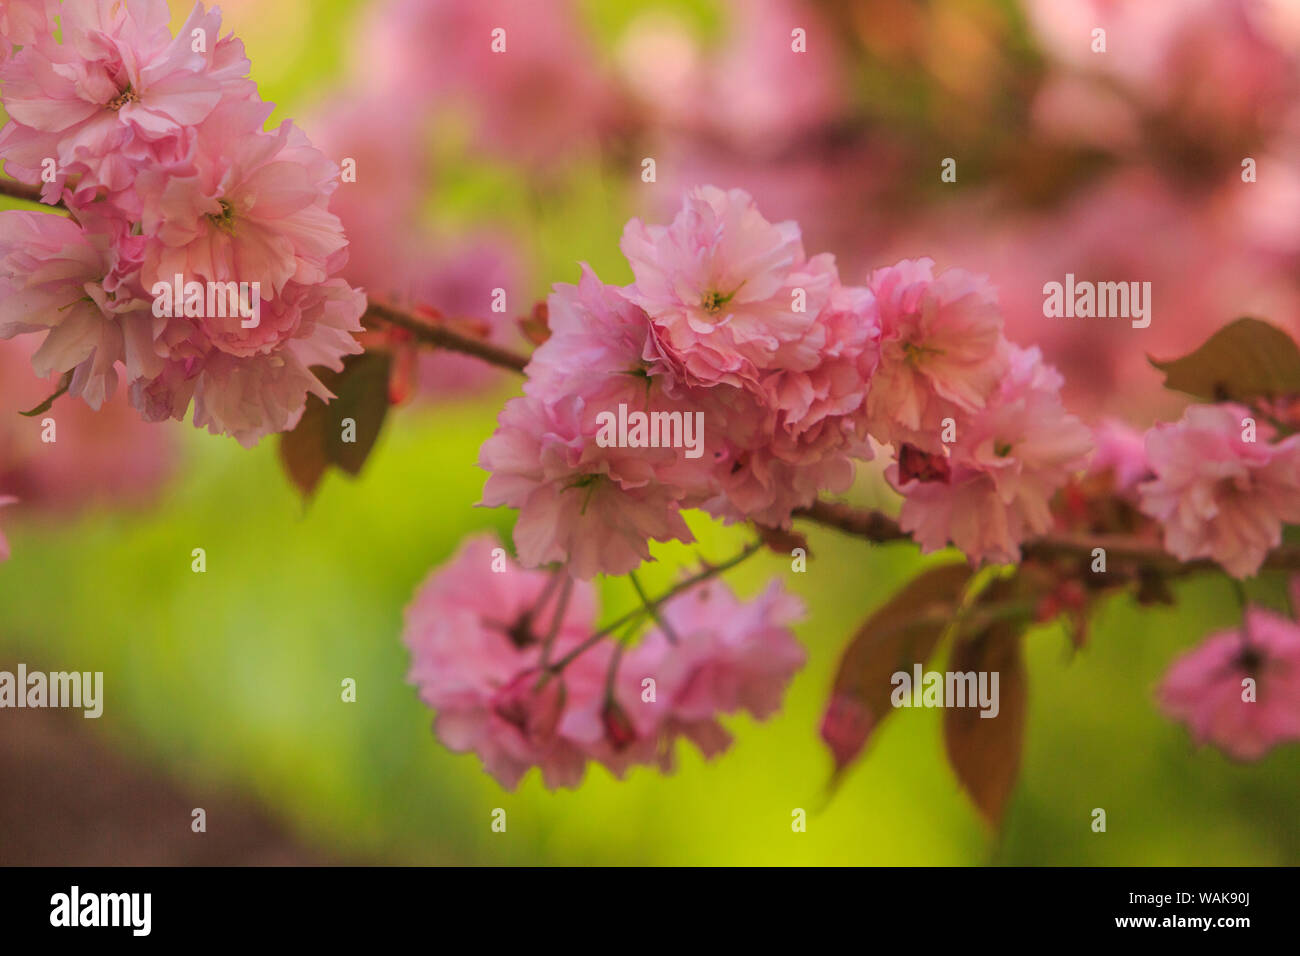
(710, 571)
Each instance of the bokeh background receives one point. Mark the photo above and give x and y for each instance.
(477, 172)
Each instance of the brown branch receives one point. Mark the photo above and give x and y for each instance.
(16, 190)
(444, 338)
(879, 528)
(871, 525)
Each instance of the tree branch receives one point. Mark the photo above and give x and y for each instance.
(16, 190)
(444, 338)
(879, 528)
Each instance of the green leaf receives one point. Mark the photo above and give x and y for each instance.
(1245, 360)
(903, 632)
(361, 394)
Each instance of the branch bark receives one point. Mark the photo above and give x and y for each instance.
(16, 190)
(444, 338)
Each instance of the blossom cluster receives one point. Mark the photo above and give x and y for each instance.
(491, 648)
(792, 372)
(156, 146)
(1218, 484)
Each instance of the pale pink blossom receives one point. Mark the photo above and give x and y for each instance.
(53, 280)
(478, 632)
(115, 94)
(1217, 494)
(22, 21)
(601, 346)
(996, 487)
(101, 457)
(250, 396)
(248, 206)
(729, 293)
(724, 656)
(533, 93)
(794, 434)
(1240, 689)
(1120, 450)
(1205, 256)
(590, 507)
(941, 351)
(731, 655)
(476, 638)
(1202, 66)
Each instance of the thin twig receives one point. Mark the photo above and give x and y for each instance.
(444, 338)
(711, 571)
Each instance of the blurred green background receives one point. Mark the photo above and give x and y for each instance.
(231, 679)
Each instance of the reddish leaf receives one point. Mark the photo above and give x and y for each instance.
(361, 391)
(985, 751)
(536, 326)
(900, 634)
(1245, 360)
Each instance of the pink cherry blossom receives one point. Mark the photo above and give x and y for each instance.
(118, 89)
(539, 100)
(941, 351)
(592, 508)
(729, 293)
(1217, 494)
(22, 21)
(601, 346)
(478, 633)
(1005, 466)
(730, 655)
(249, 206)
(1207, 65)
(251, 396)
(476, 638)
(1206, 688)
(53, 280)
(1120, 450)
(796, 433)
(724, 656)
(102, 457)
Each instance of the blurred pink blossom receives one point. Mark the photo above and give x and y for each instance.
(477, 638)
(1217, 493)
(1216, 70)
(101, 457)
(541, 100)
(1206, 687)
